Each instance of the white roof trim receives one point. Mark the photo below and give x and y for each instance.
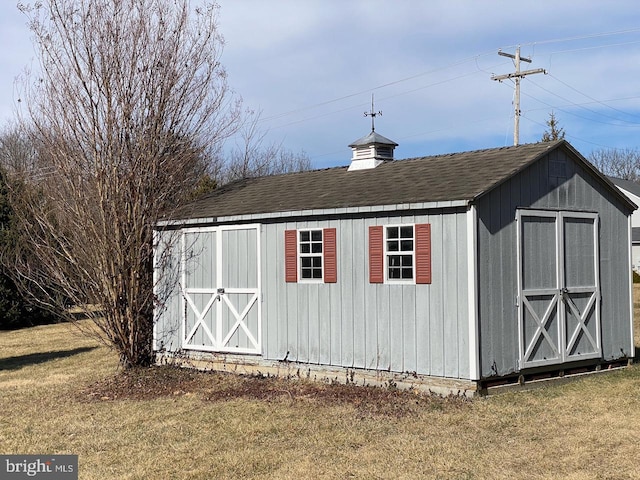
(317, 212)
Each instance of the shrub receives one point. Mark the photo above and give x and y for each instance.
(15, 309)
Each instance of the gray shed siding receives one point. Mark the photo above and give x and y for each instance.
(168, 308)
(352, 323)
(556, 182)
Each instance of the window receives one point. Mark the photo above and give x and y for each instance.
(400, 254)
(310, 255)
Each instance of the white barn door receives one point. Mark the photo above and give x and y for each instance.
(221, 289)
(558, 287)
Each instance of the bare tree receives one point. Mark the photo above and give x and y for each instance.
(252, 156)
(620, 163)
(130, 96)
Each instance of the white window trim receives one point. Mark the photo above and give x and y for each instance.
(301, 255)
(398, 281)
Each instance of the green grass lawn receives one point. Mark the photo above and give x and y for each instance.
(220, 426)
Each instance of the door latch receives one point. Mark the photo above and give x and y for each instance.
(220, 291)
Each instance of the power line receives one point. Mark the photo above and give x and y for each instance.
(385, 85)
(428, 72)
(572, 104)
(580, 37)
(591, 98)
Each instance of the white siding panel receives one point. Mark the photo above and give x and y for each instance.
(395, 327)
(269, 255)
(436, 307)
(302, 322)
(335, 310)
(374, 316)
(324, 322)
(291, 312)
(358, 248)
(346, 280)
(423, 328)
(167, 275)
(277, 279)
(409, 322)
(315, 314)
(450, 297)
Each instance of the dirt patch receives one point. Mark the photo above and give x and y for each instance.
(166, 381)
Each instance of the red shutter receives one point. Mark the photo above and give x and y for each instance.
(290, 255)
(329, 254)
(376, 255)
(423, 253)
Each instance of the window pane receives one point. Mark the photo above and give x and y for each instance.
(317, 273)
(394, 273)
(392, 246)
(394, 260)
(306, 262)
(406, 232)
(304, 248)
(407, 273)
(406, 245)
(317, 262)
(316, 235)
(306, 273)
(407, 260)
(304, 236)
(392, 232)
(316, 248)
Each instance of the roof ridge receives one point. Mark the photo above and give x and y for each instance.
(484, 150)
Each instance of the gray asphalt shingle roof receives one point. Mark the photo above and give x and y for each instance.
(628, 185)
(459, 176)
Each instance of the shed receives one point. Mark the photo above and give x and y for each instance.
(449, 272)
(632, 191)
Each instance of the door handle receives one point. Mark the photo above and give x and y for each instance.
(220, 291)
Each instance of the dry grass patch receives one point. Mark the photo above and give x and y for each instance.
(60, 393)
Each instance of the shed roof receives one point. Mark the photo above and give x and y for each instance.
(452, 177)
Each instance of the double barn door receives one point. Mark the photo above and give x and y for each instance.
(221, 289)
(558, 287)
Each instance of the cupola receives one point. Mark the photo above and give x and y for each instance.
(370, 151)
(373, 149)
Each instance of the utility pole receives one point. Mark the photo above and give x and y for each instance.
(517, 75)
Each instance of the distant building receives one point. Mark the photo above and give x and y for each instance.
(632, 191)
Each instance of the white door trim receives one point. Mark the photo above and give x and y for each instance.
(219, 299)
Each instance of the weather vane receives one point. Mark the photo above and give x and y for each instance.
(373, 114)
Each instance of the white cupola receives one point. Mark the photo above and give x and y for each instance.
(370, 151)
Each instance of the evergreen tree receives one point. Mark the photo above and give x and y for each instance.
(15, 310)
(555, 132)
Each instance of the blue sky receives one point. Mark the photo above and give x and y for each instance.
(311, 67)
